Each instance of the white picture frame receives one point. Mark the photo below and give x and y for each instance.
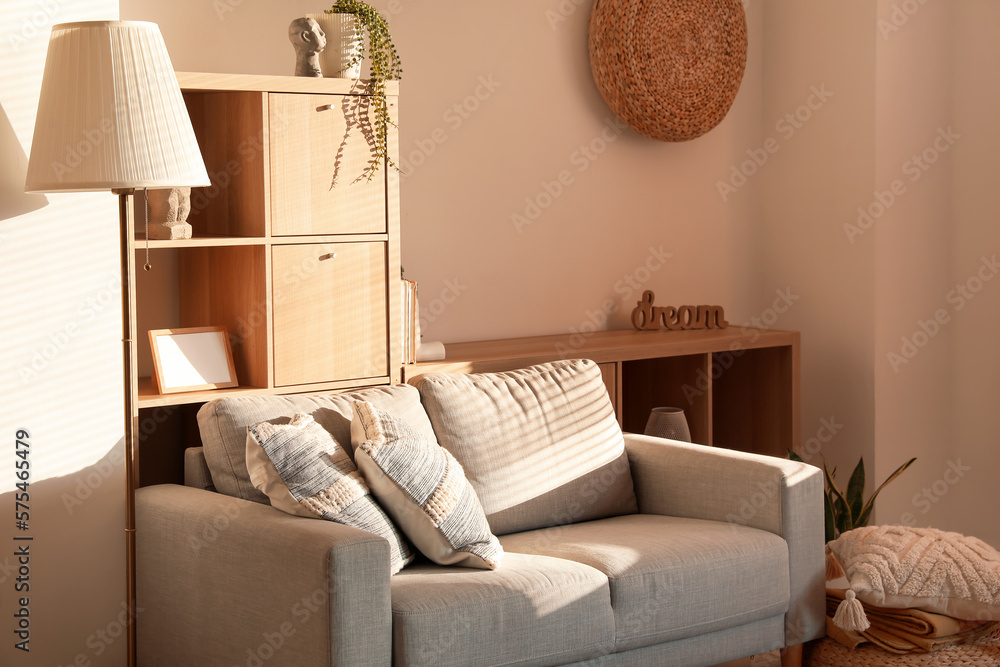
(192, 359)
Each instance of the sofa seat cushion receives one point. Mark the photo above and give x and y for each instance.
(223, 424)
(541, 445)
(672, 578)
(535, 610)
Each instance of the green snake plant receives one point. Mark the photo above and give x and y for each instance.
(846, 511)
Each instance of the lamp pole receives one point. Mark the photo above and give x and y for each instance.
(127, 247)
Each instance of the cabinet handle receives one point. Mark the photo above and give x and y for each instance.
(325, 107)
(329, 255)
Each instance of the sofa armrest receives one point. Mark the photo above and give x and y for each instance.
(222, 580)
(777, 495)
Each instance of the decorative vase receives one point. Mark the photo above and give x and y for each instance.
(668, 423)
(343, 44)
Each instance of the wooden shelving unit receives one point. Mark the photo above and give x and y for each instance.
(303, 272)
(739, 389)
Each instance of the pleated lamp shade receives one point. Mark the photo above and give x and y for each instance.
(111, 114)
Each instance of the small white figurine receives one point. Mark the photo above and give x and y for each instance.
(168, 212)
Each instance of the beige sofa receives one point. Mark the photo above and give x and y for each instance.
(619, 550)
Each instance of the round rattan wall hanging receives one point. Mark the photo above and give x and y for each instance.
(670, 69)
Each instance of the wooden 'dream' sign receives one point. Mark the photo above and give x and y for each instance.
(647, 317)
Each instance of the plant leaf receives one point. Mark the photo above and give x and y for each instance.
(832, 487)
(856, 490)
(828, 521)
(870, 505)
(794, 457)
(842, 516)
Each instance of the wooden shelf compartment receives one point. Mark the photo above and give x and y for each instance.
(229, 286)
(230, 127)
(681, 382)
(208, 286)
(755, 399)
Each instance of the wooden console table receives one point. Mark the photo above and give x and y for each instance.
(739, 388)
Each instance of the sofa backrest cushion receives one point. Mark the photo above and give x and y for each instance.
(223, 425)
(541, 446)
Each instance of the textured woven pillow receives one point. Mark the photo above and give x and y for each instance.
(305, 472)
(921, 568)
(424, 489)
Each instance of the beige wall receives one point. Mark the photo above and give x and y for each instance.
(496, 103)
(813, 184)
(913, 239)
(935, 289)
(976, 234)
(60, 355)
(907, 77)
(976, 209)
(497, 100)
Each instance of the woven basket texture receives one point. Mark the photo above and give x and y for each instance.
(981, 652)
(670, 69)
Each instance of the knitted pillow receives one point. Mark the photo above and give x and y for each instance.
(920, 568)
(305, 472)
(424, 489)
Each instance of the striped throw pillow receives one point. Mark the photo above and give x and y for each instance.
(305, 472)
(424, 489)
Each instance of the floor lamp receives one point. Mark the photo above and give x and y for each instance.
(111, 117)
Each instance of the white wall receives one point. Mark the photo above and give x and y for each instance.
(60, 379)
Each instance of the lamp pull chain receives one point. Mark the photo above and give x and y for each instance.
(145, 196)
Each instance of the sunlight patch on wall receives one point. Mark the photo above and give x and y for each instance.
(60, 358)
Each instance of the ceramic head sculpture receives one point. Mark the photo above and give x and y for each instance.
(308, 39)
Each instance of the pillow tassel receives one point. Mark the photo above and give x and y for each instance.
(851, 614)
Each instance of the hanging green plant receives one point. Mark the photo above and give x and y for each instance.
(385, 66)
(846, 511)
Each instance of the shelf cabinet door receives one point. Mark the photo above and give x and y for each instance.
(330, 315)
(315, 139)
